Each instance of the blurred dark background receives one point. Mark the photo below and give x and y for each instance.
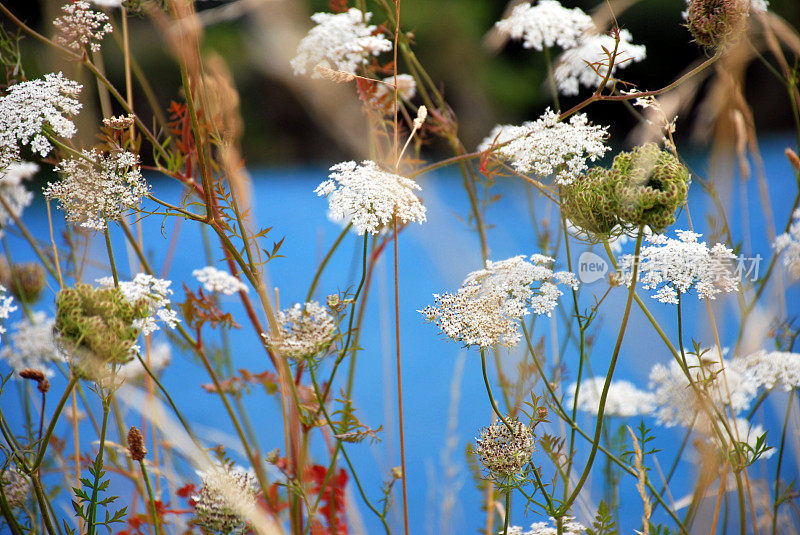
(483, 86)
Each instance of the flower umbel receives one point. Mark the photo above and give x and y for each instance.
(216, 280)
(504, 452)
(305, 331)
(546, 24)
(32, 345)
(226, 499)
(80, 26)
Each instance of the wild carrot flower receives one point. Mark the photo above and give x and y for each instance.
(98, 188)
(216, 280)
(32, 345)
(546, 24)
(225, 500)
(16, 487)
(486, 309)
(306, 330)
(503, 452)
(340, 41)
(673, 266)
(623, 399)
(369, 197)
(548, 146)
(13, 191)
(80, 26)
(154, 293)
(573, 68)
(6, 308)
(771, 368)
(30, 108)
(568, 527)
(788, 243)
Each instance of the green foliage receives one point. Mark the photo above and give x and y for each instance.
(603, 523)
(86, 506)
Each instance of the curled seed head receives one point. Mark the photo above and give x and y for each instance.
(503, 452)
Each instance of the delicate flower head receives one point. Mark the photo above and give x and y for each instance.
(98, 188)
(33, 345)
(340, 41)
(16, 487)
(546, 24)
(568, 527)
(573, 68)
(486, 309)
(673, 266)
(623, 399)
(152, 291)
(216, 280)
(13, 191)
(6, 307)
(502, 452)
(771, 368)
(715, 23)
(369, 197)
(159, 358)
(548, 146)
(305, 331)
(29, 107)
(80, 26)
(226, 499)
(788, 243)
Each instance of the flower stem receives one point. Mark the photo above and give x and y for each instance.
(489, 392)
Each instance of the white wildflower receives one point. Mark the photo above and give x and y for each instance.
(156, 292)
(160, 357)
(406, 88)
(33, 345)
(306, 330)
(6, 307)
(216, 280)
(98, 188)
(573, 68)
(81, 26)
(340, 41)
(546, 24)
(486, 309)
(33, 107)
(677, 402)
(569, 527)
(673, 266)
(623, 398)
(369, 197)
(13, 191)
(771, 369)
(226, 500)
(505, 452)
(788, 243)
(548, 146)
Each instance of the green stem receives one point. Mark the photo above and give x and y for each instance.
(325, 260)
(508, 512)
(98, 469)
(156, 523)
(489, 392)
(775, 503)
(111, 257)
(51, 427)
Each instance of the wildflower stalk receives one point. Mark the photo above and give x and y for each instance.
(98, 467)
(151, 499)
(489, 392)
(508, 512)
(51, 427)
(775, 502)
(325, 260)
(111, 257)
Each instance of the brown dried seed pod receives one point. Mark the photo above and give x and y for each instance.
(136, 444)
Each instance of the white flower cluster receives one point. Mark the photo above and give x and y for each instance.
(33, 345)
(81, 26)
(340, 41)
(548, 146)
(587, 63)
(369, 197)
(305, 331)
(486, 309)
(680, 265)
(13, 191)
(160, 357)
(29, 107)
(504, 452)
(771, 369)
(546, 24)
(406, 88)
(226, 499)
(788, 243)
(155, 291)
(216, 280)
(6, 307)
(569, 527)
(623, 398)
(98, 188)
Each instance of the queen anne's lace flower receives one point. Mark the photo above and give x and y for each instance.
(33, 345)
(29, 107)
(568, 527)
(6, 307)
(502, 452)
(340, 41)
(369, 197)
(677, 401)
(788, 243)
(226, 499)
(81, 26)
(156, 294)
(573, 68)
(98, 188)
(546, 24)
(13, 191)
(305, 331)
(673, 266)
(623, 399)
(771, 369)
(216, 280)
(548, 146)
(486, 309)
